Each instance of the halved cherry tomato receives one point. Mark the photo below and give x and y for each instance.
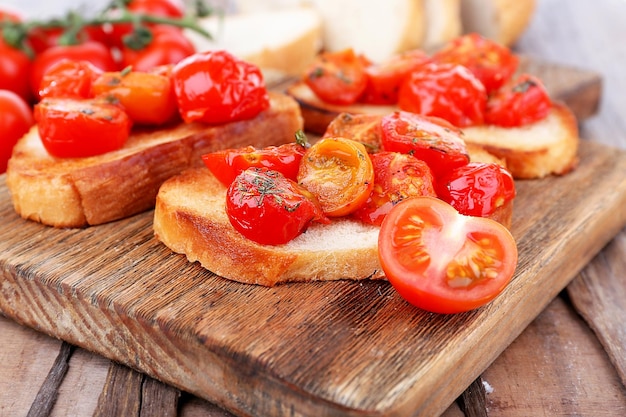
(493, 64)
(169, 45)
(268, 208)
(397, 176)
(69, 78)
(216, 87)
(384, 79)
(71, 128)
(148, 98)
(337, 77)
(433, 140)
(16, 118)
(521, 102)
(442, 261)
(339, 173)
(448, 91)
(364, 128)
(476, 189)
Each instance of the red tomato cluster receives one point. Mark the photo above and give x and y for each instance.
(468, 82)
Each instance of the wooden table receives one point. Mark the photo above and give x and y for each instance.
(569, 361)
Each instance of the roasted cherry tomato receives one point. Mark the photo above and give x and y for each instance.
(339, 173)
(363, 128)
(148, 98)
(216, 87)
(442, 261)
(397, 176)
(384, 79)
(16, 118)
(71, 128)
(433, 140)
(15, 66)
(476, 189)
(337, 77)
(521, 102)
(69, 78)
(169, 45)
(268, 208)
(448, 91)
(493, 64)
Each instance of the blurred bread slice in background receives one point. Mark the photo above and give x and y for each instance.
(501, 20)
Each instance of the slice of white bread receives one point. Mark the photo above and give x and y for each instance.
(501, 20)
(190, 219)
(77, 192)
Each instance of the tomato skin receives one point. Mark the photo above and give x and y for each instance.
(339, 173)
(433, 140)
(228, 163)
(15, 66)
(69, 78)
(268, 208)
(493, 64)
(522, 102)
(215, 87)
(448, 91)
(397, 176)
(71, 128)
(148, 98)
(441, 261)
(337, 77)
(16, 119)
(477, 189)
(169, 45)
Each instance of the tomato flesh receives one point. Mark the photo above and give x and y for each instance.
(69, 78)
(444, 262)
(523, 101)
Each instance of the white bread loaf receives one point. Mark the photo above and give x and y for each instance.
(442, 22)
(501, 20)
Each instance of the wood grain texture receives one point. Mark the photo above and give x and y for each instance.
(345, 348)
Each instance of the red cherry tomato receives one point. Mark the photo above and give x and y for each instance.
(448, 91)
(40, 38)
(9, 14)
(169, 45)
(477, 189)
(15, 66)
(337, 77)
(521, 102)
(268, 208)
(442, 261)
(216, 87)
(69, 78)
(493, 64)
(397, 176)
(384, 79)
(430, 139)
(16, 118)
(228, 163)
(96, 53)
(72, 128)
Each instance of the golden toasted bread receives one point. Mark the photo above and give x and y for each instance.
(78, 192)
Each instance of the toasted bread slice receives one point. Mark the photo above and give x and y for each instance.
(190, 218)
(78, 192)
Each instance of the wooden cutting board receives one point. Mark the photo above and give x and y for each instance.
(337, 348)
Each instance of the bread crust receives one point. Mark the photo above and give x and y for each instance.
(79, 192)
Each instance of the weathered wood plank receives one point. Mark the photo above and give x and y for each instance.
(49, 390)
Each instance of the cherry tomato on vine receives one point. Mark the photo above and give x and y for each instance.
(397, 176)
(476, 189)
(71, 128)
(442, 261)
(523, 101)
(15, 66)
(16, 118)
(339, 173)
(8, 14)
(448, 91)
(337, 77)
(69, 78)
(493, 64)
(40, 38)
(147, 98)
(268, 208)
(433, 140)
(216, 87)
(169, 45)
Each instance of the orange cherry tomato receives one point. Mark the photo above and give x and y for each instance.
(384, 79)
(521, 102)
(339, 173)
(268, 208)
(442, 261)
(69, 78)
(433, 140)
(397, 176)
(16, 118)
(337, 77)
(364, 128)
(71, 128)
(148, 98)
(448, 91)
(493, 64)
